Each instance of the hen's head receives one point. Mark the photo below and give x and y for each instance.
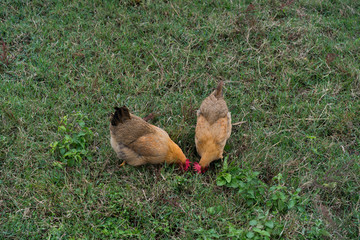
(199, 169)
(185, 166)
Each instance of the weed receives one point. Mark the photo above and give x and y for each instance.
(75, 142)
(266, 204)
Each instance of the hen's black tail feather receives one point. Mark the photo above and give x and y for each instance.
(120, 116)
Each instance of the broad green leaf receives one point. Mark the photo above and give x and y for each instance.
(250, 235)
(62, 129)
(274, 197)
(269, 224)
(281, 205)
(259, 225)
(225, 166)
(220, 181)
(291, 203)
(253, 222)
(211, 210)
(62, 151)
(282, 196)
(227, 177)
(234, 184)
(325, 233)
(81, 124)
(258, 230)
(252, 194)
(264, 233)
(70, 162)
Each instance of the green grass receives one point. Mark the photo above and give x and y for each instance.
(291, 72)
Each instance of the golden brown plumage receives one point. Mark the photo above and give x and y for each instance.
(138, 142)
(213, 128)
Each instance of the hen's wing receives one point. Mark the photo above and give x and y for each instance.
(130, 130)
(202, 134)
(135, 140)
(221, 130)
(154, 146)
(213, 108)
(212, 135)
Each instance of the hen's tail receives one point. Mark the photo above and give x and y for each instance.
(218, 91)
(120, 116)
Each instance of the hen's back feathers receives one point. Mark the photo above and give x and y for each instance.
(127, 128)
(214, 106)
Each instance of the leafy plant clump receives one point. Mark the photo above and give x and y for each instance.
(75, 141)
(266, 204)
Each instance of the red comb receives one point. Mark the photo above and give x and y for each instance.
(185, 166)
(197, 168)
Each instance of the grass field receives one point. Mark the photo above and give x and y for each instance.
(292, 80)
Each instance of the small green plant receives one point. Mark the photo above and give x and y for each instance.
(261, 227)
(76, 138)
(115, 228)
(318, 231)
(282, 198)
(206, 234)
(266, 203)
(278, 195)
(249, 186)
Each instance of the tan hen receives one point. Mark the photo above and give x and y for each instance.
(213, 128)
(138, 142)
